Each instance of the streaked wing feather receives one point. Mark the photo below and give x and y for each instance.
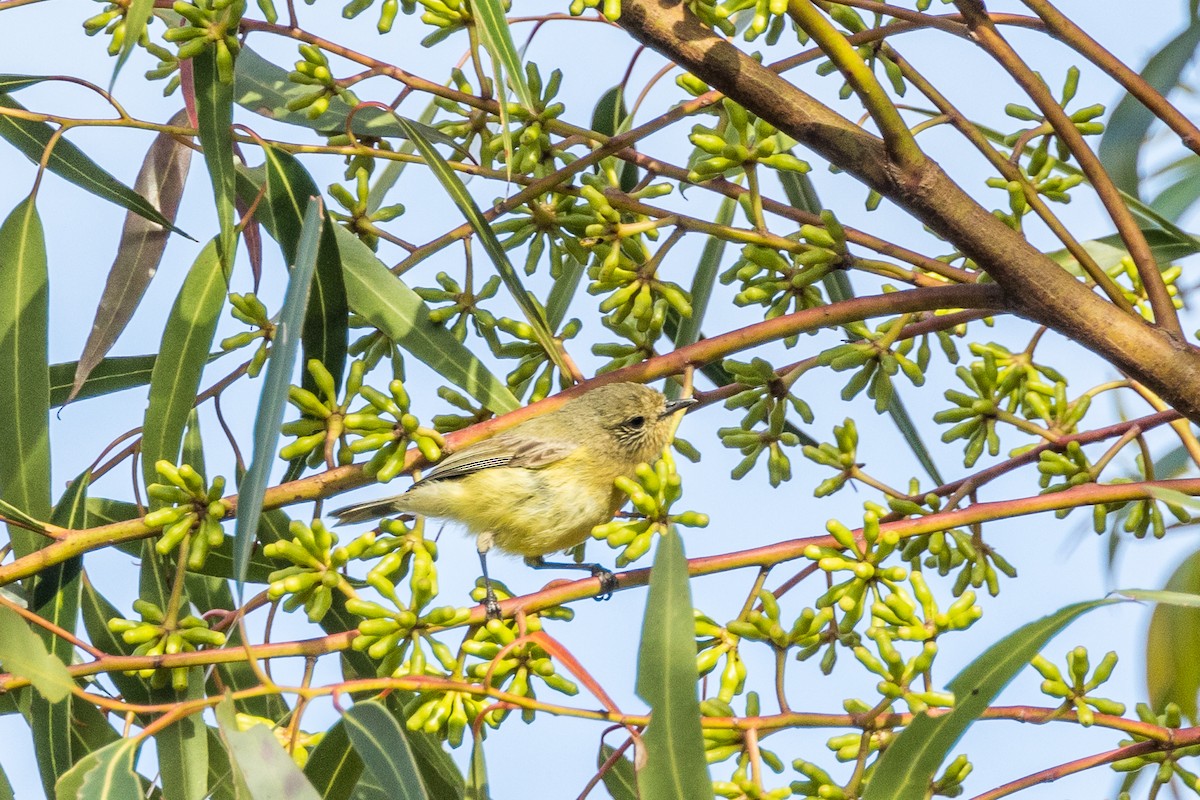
(501, 451)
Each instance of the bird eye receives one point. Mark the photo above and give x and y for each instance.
(636, 422)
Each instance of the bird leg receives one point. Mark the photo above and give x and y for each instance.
(491, 604)
(608, 581)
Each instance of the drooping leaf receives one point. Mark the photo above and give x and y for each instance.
(268, 771)
(136, 16)
(909, 765)
(386, 302)
(610, 118)
(666, 680)
(285, 346)
(110, 375)
(497, 38)
(161, 179)
(54, 597)
(71, 164)
(289, 187)
(458, 193)
(183, 745)
(23, 653)
(24, 373)
(1183, 192)
(214, 117)
(620, 779)
(1126, 128)
(383, 748)
(477, 779)
(175, 378)
(705, 277)
(1171, 676)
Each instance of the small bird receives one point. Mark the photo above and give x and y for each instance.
(541, 486)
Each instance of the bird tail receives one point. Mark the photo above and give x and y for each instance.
(374, 509)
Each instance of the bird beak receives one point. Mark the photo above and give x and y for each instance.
(678, 405)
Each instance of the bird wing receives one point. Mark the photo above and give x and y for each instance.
(501, 451)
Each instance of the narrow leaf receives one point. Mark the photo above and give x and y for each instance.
(1108, 251)
(175, 378)
(620, 779)
(477, 780)
(24, 374)
(137, 14)
(264, 88)
(112, 374)
(54, 597)
(161, 179)
(69, 163)
(1171, 675)
(23, 653)
(909, 765)
(386, 302)
(214, 116)
(487, 237)
(267, 770)
(666, 679)
(497, 38)
(325, 331)
(183, 745)
(705, 278)
(384, 750)
(284, 347)
(1130, 121)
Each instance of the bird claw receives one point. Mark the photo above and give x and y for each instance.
(491, 605)
(608, 583)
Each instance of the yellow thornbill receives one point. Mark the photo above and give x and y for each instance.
(541, 486)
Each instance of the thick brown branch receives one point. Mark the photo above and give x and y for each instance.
(1038, 288)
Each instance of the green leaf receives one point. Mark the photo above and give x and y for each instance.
(384, 750)
(1183, 192)
(1109, 250)
(106, 774)
(12, 83)
(333, 766)
(6, 790)
(909, 765)
(386, 302)
(1130, 121)
(325, 332)
(110, 375)
(1171, 676)
(175, 379)
(71, 164)
(24, 374)
(487, 237)
(666, 679)
(563, 291)
(214, 118)
(610, 118)
(137, 14)
(54, 597)
(162, 177)
(497, 38)
(705, 278)
(620, 779)
(97, 611)
(268, 771)
(477, 780)
(284, 346)
(183, 745)
(222, 780)
(265, 89)
(23, 653)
